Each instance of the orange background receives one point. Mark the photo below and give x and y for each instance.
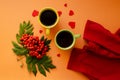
(13, 12)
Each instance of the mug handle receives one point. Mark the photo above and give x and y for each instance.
(47, 31)
(77, 35)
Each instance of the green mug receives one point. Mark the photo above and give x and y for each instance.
(48, 18)
(65, 39)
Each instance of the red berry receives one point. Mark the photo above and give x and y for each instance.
(34, 45)
(31, 53)
(39, 56)
(43, 52)
(42, 46)
(36, 53)
(45, 48)
(42, 42)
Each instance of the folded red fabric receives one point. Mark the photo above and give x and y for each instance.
(97, 33)
(94, 66)
(118, 33)
(99, 50)
(100, 58)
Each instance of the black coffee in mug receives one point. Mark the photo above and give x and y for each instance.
(64, 39)
(48, 17)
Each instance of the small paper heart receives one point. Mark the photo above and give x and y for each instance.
(65, 4)
(59, 13)
(40, 31)
(72, 24)
(35, 13)
(58, 55)
(71, 13)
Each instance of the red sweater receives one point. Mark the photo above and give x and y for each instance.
(100, 58)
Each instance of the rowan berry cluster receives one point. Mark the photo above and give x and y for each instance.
(36, 47)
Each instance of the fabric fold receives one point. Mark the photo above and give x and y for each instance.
(99, 50)
(100, 58)
(98, 34)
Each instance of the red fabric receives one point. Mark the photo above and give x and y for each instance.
(99, 50)
(97, 33)
(118, 33)
(100, 58)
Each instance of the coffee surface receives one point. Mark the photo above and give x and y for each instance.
(64, 39)
(48, 17)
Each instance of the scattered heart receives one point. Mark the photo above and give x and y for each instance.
(71, 13)
(65, 4)
(59, 13)
(40, 31)
(35, 13)
(58, 55)
(72, 24)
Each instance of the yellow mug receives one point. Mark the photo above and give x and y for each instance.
(48, 18)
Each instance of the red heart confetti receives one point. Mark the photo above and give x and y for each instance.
(71, 13)
(72, 24)
(35, 13)
(40, 31)
(58, 55)
(65, 4)
(59, 13)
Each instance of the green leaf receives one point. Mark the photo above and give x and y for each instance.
(41, 70)
(47, 42)
(29, 30)
(24, 24)
(48, 48)
(21, 30)
(18, 38)
(16, 45)
(42, 38)
(48, 64)
(31, 33)
(22, 51)
(29, 67)
(29, 59)
(26, 28)
(46, 68)
(45, 39)
(44, 58)
(35, 60)
(29, 25)
(34, 70)
(48, 61)
(51, 66)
